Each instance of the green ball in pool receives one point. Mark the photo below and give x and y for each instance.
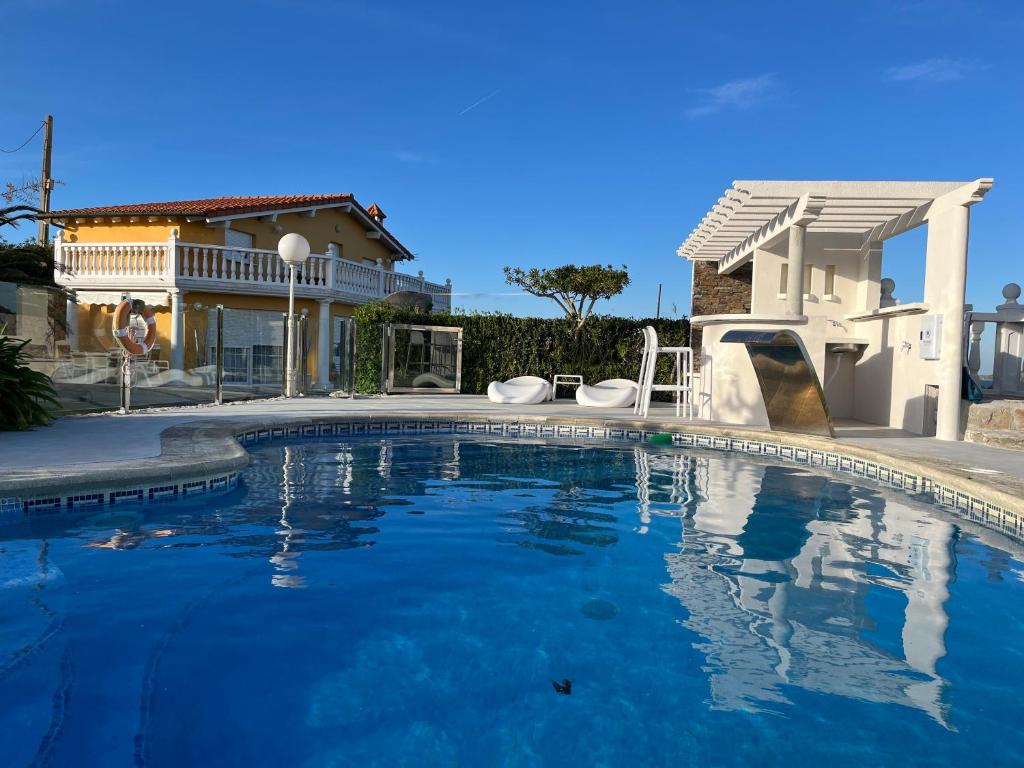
(662, 438)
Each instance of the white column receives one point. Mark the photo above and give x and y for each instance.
(323, 346)
(171, 261)
(72, 325)
(58, 257)
(177, 330)
(331, 275)
(944, 289)
(795, 274)
(869, 276)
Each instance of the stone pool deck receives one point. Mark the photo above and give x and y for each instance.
(97, 451)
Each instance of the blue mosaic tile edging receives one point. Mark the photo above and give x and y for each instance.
(13, 509)
(971, 507)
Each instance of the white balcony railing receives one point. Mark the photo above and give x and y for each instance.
(1002, 370)
(237, 270)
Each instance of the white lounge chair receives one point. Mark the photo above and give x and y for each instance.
(610, 393)
(522, 390)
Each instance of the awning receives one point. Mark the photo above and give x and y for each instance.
(153, 298)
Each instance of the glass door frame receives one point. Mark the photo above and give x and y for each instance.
(388, 358)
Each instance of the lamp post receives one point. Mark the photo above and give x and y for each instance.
(294, 250)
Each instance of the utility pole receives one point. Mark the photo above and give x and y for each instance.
(45, 182)
(657, 312)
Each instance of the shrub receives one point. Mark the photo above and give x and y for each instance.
(499, 347)
(27, 397)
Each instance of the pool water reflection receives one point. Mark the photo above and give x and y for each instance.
(411, 600)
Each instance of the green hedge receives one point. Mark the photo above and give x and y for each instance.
(500, 347)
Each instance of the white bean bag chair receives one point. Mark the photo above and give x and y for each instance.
(522, 390)
(611, 393)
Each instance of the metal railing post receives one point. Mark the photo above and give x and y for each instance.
(384, 358)
(126, 382)
(220, 355)
(352, 359)
(284, 354)
(302, 356)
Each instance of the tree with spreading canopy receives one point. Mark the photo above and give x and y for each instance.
(573, 288)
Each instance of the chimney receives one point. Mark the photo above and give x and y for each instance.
(376, 213)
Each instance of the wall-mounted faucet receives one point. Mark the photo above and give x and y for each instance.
(906, 346)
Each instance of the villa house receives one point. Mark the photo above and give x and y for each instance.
(186, 257)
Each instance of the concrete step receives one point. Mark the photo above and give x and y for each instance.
(996, 422)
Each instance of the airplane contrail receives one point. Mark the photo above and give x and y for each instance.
(485, 293)
(477, 103)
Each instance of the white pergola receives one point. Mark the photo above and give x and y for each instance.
(753, 214)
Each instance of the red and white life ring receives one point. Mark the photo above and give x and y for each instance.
(122, 331)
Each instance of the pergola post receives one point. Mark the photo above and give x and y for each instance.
(869, 276)
(945, 290)
(795, 275)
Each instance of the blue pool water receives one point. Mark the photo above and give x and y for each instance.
(409, 601)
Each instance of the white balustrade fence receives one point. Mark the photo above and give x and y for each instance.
(113, 259)
(1007, 377)
(212, 267)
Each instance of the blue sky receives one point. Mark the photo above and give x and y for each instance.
(526, 133)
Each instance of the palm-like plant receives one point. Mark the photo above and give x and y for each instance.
(12, 214)
(27, 397)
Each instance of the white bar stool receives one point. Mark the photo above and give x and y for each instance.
(683, 386)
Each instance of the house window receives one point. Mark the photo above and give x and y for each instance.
(783, 280)
(267, 364)
(233, 238)
(236, 364)
(808, 276)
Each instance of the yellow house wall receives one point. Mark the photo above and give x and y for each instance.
(329, 225)
(95, 330)
(120, 232)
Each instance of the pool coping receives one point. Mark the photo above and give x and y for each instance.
(206, 455)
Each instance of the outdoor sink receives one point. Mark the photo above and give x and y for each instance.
(845, 348)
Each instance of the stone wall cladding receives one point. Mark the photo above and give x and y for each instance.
(715, 294)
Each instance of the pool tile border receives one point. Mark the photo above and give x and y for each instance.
(970, 506)
(15, 508)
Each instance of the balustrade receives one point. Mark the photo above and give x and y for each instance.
(212, 267)
(1007, 355)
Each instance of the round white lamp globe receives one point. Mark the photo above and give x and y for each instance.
(294, 249)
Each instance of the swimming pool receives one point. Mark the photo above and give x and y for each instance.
(413, 600)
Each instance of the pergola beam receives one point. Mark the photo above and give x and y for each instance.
(751, 213)
(801, 213)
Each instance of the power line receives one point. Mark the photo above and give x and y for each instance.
(25, 143)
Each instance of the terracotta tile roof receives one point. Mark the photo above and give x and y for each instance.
(213, 207)
(208, 208)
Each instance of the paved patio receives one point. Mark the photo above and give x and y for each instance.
(111, 437)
